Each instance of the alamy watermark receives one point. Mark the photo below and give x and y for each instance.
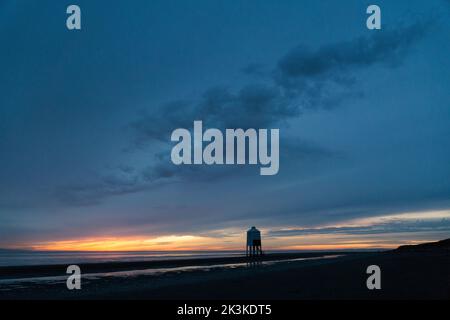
(236, 146)
(374, 280)
(74, 280)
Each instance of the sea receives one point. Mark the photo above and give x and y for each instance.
(29, 258)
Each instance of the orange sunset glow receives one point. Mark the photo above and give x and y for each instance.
(164, 243)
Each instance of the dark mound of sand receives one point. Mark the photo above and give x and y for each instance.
(443, 245)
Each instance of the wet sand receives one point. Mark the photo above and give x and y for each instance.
(408, 275)
(7, 272)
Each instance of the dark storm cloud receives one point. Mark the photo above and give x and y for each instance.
(126, 180)
(302, 79)
(323, 78)
(256, 106)
(388, 48)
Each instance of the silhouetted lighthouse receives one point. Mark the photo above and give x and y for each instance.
(253, 242)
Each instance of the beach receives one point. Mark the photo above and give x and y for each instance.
(331, 275)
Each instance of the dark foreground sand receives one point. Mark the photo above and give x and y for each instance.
(407, 275)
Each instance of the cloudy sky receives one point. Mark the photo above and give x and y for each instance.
(86, 118)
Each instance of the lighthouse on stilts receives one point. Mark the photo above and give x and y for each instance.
(253, 243)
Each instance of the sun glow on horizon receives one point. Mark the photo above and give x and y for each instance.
(162, 243)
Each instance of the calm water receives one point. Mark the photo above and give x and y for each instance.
(25, 258)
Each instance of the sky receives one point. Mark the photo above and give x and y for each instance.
(86, 118)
